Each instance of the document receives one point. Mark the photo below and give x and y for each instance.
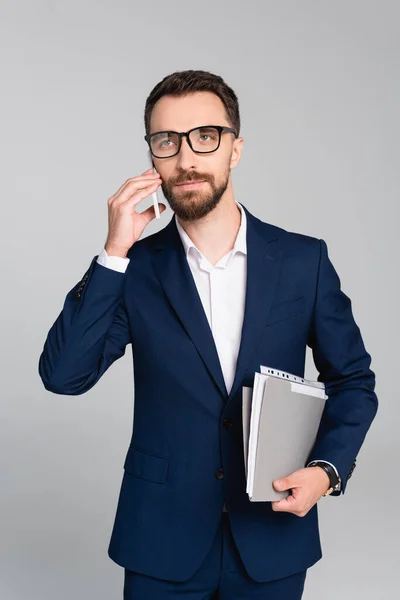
(281, 416)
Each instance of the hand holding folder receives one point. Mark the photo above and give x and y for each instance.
(281, 417)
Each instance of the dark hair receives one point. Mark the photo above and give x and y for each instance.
(181, 83)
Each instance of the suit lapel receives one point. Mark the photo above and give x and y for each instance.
(176, 279)
(264, 259)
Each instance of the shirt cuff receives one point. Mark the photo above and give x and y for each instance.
(117, 263)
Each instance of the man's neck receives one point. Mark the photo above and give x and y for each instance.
(215, 234)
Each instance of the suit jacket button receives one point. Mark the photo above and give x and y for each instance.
(78, 295)
(219, 473)
(227, 423)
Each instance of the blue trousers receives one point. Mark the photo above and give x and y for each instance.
(221, 576)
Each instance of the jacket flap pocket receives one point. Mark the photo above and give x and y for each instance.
(146, 465)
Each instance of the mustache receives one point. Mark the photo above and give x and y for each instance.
(189, 178)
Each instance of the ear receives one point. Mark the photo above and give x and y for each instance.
(236, 152)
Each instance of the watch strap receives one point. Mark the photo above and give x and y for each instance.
(334, 478)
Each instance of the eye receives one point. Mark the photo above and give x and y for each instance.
(164, 143)
(207, 134)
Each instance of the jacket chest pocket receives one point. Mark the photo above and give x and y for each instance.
(146, 465)
(286, 309)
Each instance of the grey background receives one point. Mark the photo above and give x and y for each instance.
(318, 85)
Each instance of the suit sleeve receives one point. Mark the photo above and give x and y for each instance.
(89, 334)
(344, 367)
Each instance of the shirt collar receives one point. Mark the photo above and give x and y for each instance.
(240, 242)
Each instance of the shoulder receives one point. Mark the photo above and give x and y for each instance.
(289, 241)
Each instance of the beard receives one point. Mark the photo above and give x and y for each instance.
(193, 205)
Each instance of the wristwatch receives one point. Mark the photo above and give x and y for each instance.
(334, 479)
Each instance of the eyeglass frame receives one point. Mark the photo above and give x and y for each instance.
(219, 128)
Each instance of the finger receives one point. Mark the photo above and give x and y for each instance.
(145, 175)
(286, 504)
(131, 182)
(138, 192)
(137, 196)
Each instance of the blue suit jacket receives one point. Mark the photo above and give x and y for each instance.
(171, 500)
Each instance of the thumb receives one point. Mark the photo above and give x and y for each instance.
(282, 484)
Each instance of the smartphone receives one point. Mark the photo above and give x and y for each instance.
(157, 195)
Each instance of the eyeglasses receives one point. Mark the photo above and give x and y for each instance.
(205, 139)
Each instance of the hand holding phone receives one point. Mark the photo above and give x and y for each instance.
(125, 225)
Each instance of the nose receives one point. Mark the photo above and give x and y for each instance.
(187, 159)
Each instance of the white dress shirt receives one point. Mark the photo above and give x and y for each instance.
(222, 290)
